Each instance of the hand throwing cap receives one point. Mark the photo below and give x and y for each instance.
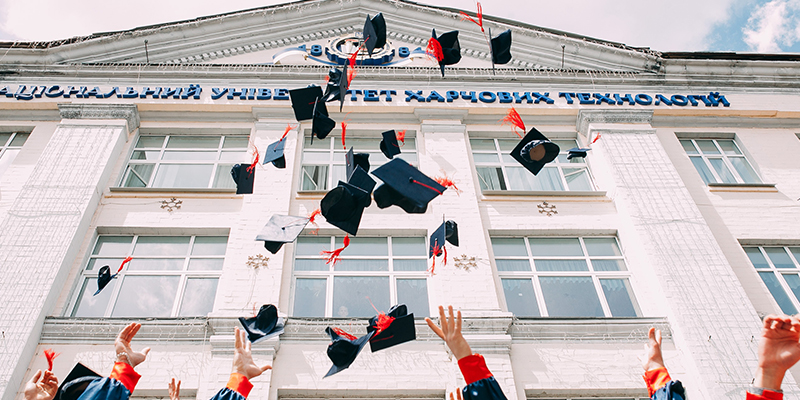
(501, 48)
(264, 325)
(343, 207)
(400, 330)
(405, 186)
(389, 145)
(303, 101)
(374, 33)
(76, 382)
(274, 154)
(281, 229)
(343, 350)
(244, 179)
(577, 152)
(534, 151)
(353, 160)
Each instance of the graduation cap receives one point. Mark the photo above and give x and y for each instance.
(337, 86)
(577, 152)
(389, 145)
(405, 186)
(501, 47)
(361, 179)
(374, 33)
(321, 124)
(534, 151)
(448, 51)
(274, 154)
(304, 101)
(344, 205)
(447, 231)
(281, 229)
(264, 325)
(353, 160)
(76, 382)
(393, 328)
(344, 349)
(244, 176)
(104, 276)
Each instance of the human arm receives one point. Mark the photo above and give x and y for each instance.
(127, 359)
(244, 368)
(778, 350)
(174, 390)
(43, 386)
(655, 373)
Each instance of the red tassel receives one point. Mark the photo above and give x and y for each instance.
(401, 136)
(448, 183)
(253, 165)
(50, 355)
(444, 248)
(479, 22)
(427, 186)
(351, 73)
(312, 218)
(125, 261)
(333, 256)
(515, 120)
(352, 59)
(433, 266)
(434, 49)
(344, 132)
(596, 138)
(344, 334)
(286, 132)
(383, 323)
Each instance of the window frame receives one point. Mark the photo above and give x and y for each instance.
(595, 275)
(184, 273)
(725, 160)
(331, 273)
(778, 272)
(5, 147)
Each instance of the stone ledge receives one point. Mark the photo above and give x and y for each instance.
(544, 193)
(588, 117)
(128, 112)
(742, 187)
(588, 329)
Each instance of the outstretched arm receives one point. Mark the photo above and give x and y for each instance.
(655, 373)
(127, 359)
(778, 350)
(174, 390)
(244, 368)
(43, 386)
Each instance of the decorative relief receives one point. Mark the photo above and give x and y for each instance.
(257, 261)
(547, 208)
(466, 263)
(171, 204)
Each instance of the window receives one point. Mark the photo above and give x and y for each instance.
(564, 277)
(719, 161)
(498, 171)
(169, 276)
(175, 161)
(383, 271)
(779, 268)
(328, 155)
(10, 146)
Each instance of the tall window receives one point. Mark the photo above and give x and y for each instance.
(10, 146)
(564, 277)
(373, 270)
(324, 165)
(169, 276)
(779, 268)
(498, 171)
(719, 161)
(177, 161)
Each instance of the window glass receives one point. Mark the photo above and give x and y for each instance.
(309, 297)
(365, 246)
(556, 247)
(780, 274)
(520, 297)
(352, 295)
(198, 298)
(513, 265)
(620, 297)
(508, 247)
(722, 170)
(161, 246)
(744, 169)
(92, 306)
(570, 296)
(779, 257)
(414, 294)
(112, 245)
(561, 265)
(778, 293)
(707, 146)
(703, 170)
(689, 147)
(714, 166)
(146, 296)
(602, 247)
(408, 246)
(209, 246)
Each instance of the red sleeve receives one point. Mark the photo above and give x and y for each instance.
(473, 367)
(240, 384)
(656, 379)
(767, 395)
(124, 373)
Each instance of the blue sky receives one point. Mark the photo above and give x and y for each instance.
(676, 25)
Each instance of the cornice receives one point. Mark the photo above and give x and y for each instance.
(589, 117)
(128, 112)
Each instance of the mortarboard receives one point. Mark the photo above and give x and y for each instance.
(577, 152)
(534, 151)
(104, 276)
(361, 179)
(264, 325)
(281, 229)
(304, 100)
(451, 49)
(389, 145)
(405, 186)
(501, 47)
(343, 349)
(274, 154)
(447, 231)
(451, 232)
(343, 206)
(353, 160)
(400, 328)
(337, 86)
(76, 382)
(244, 176)
(374, 33)
(321, 124)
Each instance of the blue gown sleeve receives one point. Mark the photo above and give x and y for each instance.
(481, 384)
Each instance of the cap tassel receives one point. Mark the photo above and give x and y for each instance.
(596, 138)
(50, 355)
(434, 49)
(401, 137)
(437, 250)
(515, 120)
(344, 133)
(479, 22)
(427, 186)
(344, 334)
(333, 256)
(448, 183)
(125, 261)
(253, 165)
(289, 127)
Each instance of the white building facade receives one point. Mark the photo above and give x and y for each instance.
(683, 216)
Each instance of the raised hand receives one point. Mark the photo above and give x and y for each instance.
(123, 345)
(242, 359)
(652, 351)
(450, 332)
(174, 390)
(778, 350)
(458, 395)
(43, 386)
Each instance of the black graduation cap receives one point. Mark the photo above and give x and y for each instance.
(534, 151)
(104, 277)
(353, 160)
(451, 49)
(451, 232)
(577, 152)
(501, 47)
(336, 88)
(321, 124)
(344, 205)
(244, 179)
(405, 186)
(389, 145)
(76, 382)
(400, 330)
(361, 179)
(447, 231)
(274, 154)
(264, 325)
(304, 100)
(281, 229)
(374, 33)
(343, 351)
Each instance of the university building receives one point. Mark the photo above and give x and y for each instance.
(683, 215)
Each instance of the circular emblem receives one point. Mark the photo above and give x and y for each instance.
(340, 49)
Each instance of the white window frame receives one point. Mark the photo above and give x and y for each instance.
(725, 160)
(184, 274)
(4, 147)
(596, 276)
(780, 272)
(331, 273)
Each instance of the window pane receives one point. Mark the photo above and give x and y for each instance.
(318, 264)
(150, 142)
(19, 139)
(161, 246)
(183, 175)
(338, 173)
(689, 147)
(794, 284)
(4, 138)
(507, 145)
(146, 296)
(318, 143)
(509, 247)
(561, 265)
(352, 296)
(209, 245)
(491, 178)
(366, 246)
(728, 147)
(315, 177)
(153, 155)
(756, 257)
(223, 178)
(796, 252)
(198, 297)
(190, 155)
(609, 265)
(513, 265)
(414, 294)
(744, 169)
(309, 298)
(235, 142)
(555, 247)
(93, 306)
(779, 257)
(316, 157)
(412, 246)
(311, 246)
(96, 263)
(602, 247)
(722, 170)
(410, 158)
(206, 264)
(112, 245)
(570, 297)
(520, 298)
(485, 158)
(193, 142)
(482, 144)
(548, 179)
(156, 264)
(410, 265)
(139, 175)
(702, 169)
(361, 265)
(235, 157)
(778, 293)
(565, 145)
(619, 297)
(577, 178)
(707, 146)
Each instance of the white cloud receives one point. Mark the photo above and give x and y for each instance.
(771, 25)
